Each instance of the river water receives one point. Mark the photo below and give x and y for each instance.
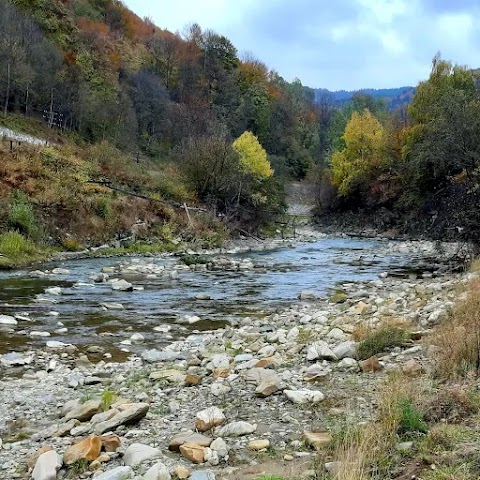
(275, 282)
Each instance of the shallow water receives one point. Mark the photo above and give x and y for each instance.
(280, 275)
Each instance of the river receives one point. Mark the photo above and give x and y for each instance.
(276, 280)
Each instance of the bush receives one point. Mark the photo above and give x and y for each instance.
(71, 245)
(381, 340)
(103, 208)
(21, 215)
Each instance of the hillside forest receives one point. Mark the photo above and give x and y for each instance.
(183, 118)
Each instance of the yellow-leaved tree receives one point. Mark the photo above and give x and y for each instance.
(364, 153)
(253, 157)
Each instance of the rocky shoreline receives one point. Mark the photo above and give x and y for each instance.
(219, 404)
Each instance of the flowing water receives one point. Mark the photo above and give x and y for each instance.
(276, 281)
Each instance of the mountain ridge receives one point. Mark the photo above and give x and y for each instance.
(393, 97)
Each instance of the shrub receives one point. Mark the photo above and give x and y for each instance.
(71, 245)
(14, 245)
(21, 215)
(381, 340)
(103, 208)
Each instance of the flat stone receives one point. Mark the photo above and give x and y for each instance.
(14, 359)
(304, 396)
(318, 439)
(202, 475)
(257, 445)
(182, 438)
(236, 429)
(132, 413)
(152, 356)
(220, 447)
(7, 320)
(119, 473)
(122, 286)
(137, 453)
(85, 411)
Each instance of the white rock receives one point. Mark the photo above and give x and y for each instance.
(158, 472)
(348, 364)
(122, 286)
(60, 271)
(53, 291)
(336, 334)
(137, 338)
(138, 453)
(320, 350)
(304, 396)
(119, 473)
(7, 320)
(209, 418)
(47, 466)
(220, 447)
(346, 349)
(236, 429)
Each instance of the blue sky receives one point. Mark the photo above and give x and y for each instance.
(335, 44)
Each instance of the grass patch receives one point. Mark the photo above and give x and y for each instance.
(457, 339)
(381, 340)
(109, 397)
(16, 250)
(411, 419)
(77, 468)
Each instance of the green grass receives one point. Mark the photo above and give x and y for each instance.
(109, 397)
(16, 250)
(381, 340)
(77, 468)
(411, 420)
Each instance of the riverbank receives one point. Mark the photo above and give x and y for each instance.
(274, 389)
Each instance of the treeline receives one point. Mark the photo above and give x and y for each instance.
(420, 164)
(95, 68)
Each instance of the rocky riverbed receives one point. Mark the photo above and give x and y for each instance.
(261, 393)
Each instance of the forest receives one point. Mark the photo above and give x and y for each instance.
(182, 117)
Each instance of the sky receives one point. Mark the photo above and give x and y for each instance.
(335, 44)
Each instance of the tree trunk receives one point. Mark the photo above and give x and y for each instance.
(7, 96)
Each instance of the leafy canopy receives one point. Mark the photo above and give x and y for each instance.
(253, 157)
(365, 139)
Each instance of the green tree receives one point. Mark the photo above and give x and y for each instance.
(253, 157)
(363, 154)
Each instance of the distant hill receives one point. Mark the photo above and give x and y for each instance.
(394, 97)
